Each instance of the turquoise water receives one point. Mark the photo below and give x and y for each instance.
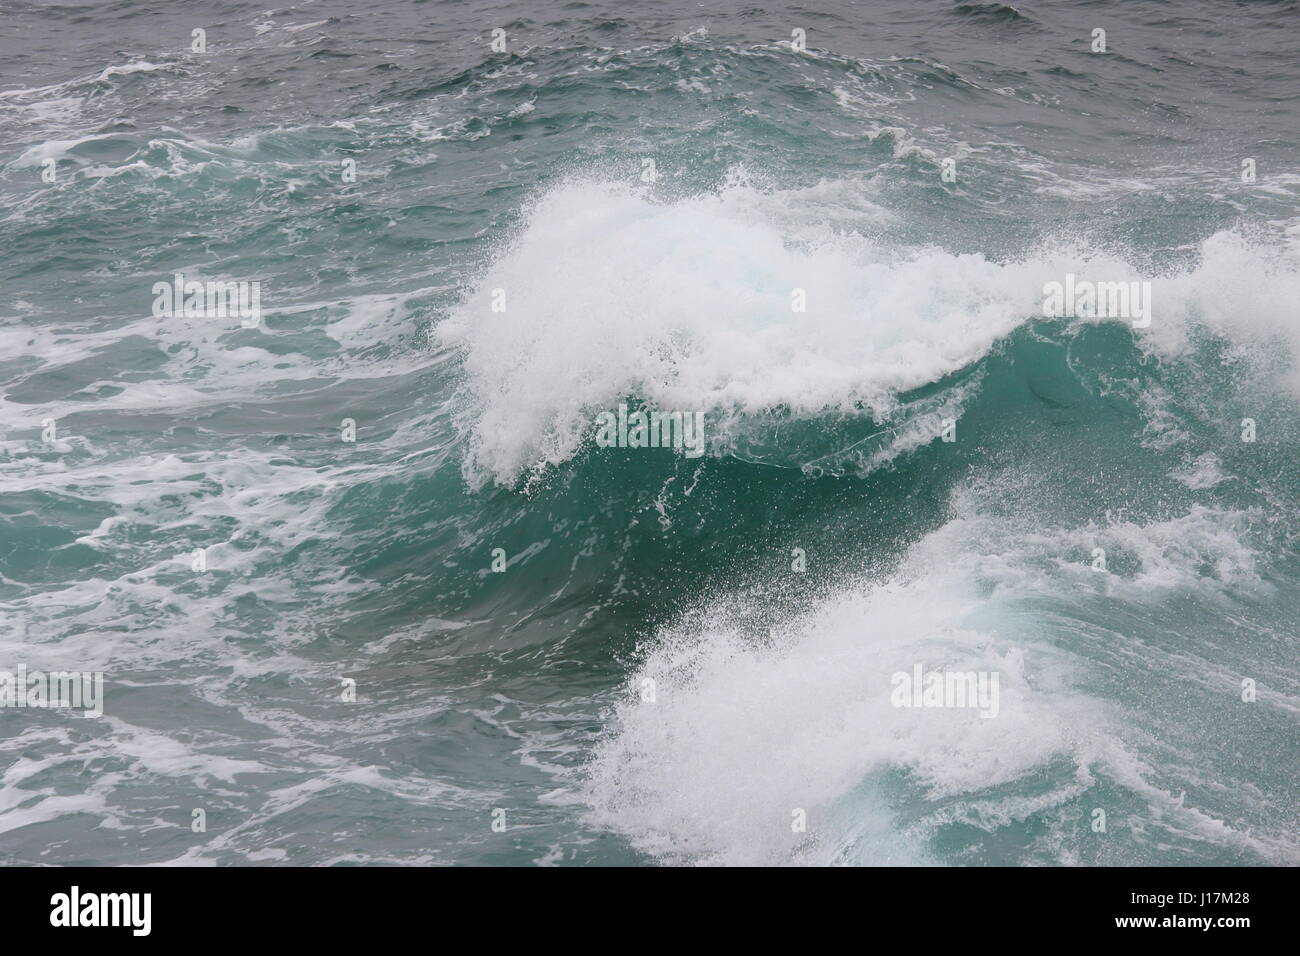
(519, 697)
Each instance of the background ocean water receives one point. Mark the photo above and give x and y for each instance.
(522, 691)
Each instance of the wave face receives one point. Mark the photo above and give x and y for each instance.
(906, 466)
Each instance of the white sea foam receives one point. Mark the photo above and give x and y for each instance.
(687, 304)
(745, 728)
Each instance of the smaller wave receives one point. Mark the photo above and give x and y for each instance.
(1000, 13)
(753, 722)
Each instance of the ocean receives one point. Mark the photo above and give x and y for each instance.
(966, 533)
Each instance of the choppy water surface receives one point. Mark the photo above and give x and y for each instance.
(636, 573)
